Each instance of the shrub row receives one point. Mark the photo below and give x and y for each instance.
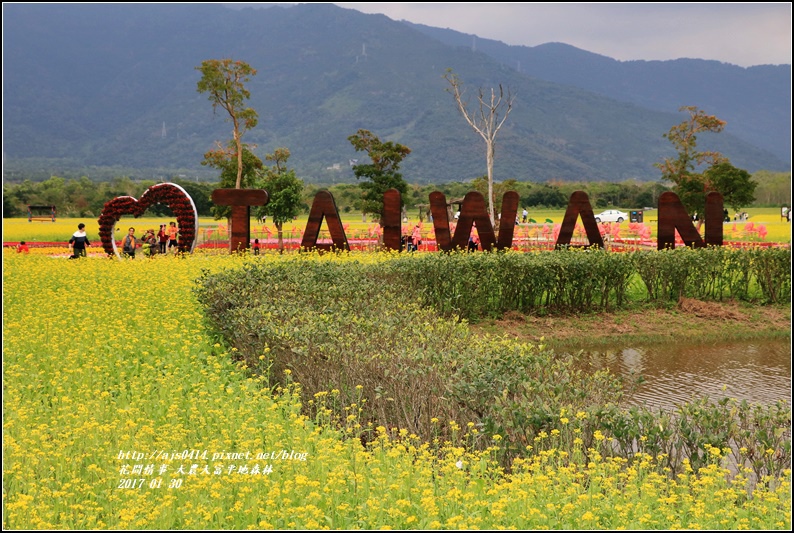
(715, 273)
(479, 285)
(482, 285)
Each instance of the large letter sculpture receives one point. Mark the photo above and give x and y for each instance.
(392, 227)
(673, 216)
(241, 201)
(579, 205)
(324, 206)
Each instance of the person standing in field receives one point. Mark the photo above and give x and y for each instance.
(78, 242)
(23, 248)
(471, 245)
(162, 238)
(416, 238)
(474, 239)
(172, 236)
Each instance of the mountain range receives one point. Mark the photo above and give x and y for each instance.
(113, 87)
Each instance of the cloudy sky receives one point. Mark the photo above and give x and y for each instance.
(739, 33)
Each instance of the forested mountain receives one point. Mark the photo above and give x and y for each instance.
(90, 86)
(755, 101)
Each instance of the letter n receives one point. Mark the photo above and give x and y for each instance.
(579, 205)
(324, 206)
(673, 217)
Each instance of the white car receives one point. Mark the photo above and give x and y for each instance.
(611, 215)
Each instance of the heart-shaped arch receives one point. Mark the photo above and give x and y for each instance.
(169, 194)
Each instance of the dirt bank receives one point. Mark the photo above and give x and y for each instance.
(690, 320)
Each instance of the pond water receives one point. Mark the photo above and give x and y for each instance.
(756, 371)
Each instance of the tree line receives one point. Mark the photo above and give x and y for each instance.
(84, 198)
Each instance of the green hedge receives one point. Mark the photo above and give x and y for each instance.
(486, 285)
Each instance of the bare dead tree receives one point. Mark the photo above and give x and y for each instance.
(486, 123)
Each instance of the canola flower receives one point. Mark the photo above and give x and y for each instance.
(105, 357)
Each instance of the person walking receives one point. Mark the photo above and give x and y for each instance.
(78, 242)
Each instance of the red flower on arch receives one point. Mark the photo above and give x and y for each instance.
(170, 194)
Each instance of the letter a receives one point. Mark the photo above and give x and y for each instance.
(324, 206)
(579, 205)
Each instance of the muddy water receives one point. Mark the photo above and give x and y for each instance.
(754, 371)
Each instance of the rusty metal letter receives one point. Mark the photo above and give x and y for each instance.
(579, 205)
(714, 214)
(324, 206)
(438, 208)
(473, 211)
(392, 226)
(673, 216)
(241, 201)
(507, 224)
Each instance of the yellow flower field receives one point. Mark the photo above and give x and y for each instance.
(122, 411)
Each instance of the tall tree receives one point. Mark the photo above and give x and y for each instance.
(232, 172)
(486, 122)
(382, 171)
(690, 184)
(224, 80)
(735, 184)
(285, 192)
